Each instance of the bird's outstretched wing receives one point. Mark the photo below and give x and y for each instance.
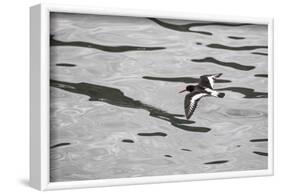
(208, 80)
(191, 101)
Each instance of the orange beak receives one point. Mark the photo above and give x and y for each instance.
(182, 91)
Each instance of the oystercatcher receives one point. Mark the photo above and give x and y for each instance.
(203, 88)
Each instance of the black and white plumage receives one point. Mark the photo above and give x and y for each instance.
(204, 88)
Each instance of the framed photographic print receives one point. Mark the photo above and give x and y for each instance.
(132, 97)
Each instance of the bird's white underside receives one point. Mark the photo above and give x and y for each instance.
(212, 92)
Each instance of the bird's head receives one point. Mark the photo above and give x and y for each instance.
(188, 88)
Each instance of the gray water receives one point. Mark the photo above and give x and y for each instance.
(115, 107)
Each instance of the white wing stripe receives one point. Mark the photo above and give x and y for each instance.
(196, 97)
(211, 80)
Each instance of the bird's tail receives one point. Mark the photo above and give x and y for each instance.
(221, 95)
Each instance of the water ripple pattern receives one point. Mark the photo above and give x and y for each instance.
(115, 110)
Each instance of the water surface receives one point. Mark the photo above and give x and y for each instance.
(115, 107)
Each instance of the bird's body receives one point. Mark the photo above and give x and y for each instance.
(204, 88)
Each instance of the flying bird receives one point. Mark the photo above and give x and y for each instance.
(196, 92)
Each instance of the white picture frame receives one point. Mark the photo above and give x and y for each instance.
(39, 102)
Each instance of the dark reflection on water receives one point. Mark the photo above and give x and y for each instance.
(261, 153)
(116, 97)
(59, 145)
(259, 53)
(54, 42)
(247, 92)
(225, 64)
(188, 150)
(128, 141)
(153, 134)
(236, 37)
(259, 140)
(186, 27)
(237, 48)
(182, 79)
(65, 65)
(217, 162)
(261, 75)
(168, 156)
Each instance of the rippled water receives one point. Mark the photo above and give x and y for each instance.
(115, 107)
